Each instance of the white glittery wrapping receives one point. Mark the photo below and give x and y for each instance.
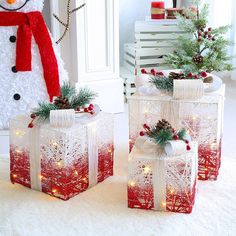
(30, 85)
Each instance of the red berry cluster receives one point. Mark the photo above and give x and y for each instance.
(152, 72)
(31, 124)
(192, 76)
(175, 135)
(89, 109)
(205, 34)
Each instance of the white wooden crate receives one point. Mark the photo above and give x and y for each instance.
(153, 40)
(129, 82)
(136, 59)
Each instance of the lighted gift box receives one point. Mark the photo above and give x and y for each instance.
(160, 182)
(203, 118)
(61, 162)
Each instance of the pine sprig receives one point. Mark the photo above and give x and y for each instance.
(163, 132)
(162, 136)
(85, 96)
(162, 83)
(43, 111)
(68, 91)
(182, 134)
(69, 96)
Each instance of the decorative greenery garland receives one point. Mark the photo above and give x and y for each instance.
(162, 82)
(69, 99)
(163, 132)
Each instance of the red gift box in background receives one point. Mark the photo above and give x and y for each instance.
(158, 10)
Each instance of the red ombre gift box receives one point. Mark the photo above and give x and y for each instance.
(160, 182)
(61, 162)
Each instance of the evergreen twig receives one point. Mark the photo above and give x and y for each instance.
(162, 83)
(68, 93)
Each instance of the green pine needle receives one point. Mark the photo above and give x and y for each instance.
(214, 52)
(163, 136)
(84, 97)
(43, 111)
(162, 83)
(182, 134)
(67, 90)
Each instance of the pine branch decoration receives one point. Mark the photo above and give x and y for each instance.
(162, 83)
(43, 111)
(163, 132)
(69, 99)
(85, 96)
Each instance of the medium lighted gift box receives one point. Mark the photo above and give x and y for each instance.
(162, 180)
(61, 162)
(202, 117)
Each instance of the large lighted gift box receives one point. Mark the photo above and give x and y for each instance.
(163, 181)
(203, 119)
(61, 162)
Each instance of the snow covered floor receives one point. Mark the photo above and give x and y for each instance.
(103, 210)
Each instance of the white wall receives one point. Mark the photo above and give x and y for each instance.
(46, 12)
(130, 11)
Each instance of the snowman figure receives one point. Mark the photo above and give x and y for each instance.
(31, 68)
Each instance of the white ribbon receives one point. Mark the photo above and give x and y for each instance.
(92, 153)
(188, 89)
(35, 159)
(62, 118)
(175, 148)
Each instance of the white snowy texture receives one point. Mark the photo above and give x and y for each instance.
(31, 5)
(29, 85)
(102, 210)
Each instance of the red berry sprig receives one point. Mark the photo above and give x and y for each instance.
(33, 117)
(152, 72)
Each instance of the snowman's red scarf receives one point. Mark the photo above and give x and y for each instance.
(32, 24)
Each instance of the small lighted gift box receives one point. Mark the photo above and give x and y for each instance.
(162, 174)
(62, 161)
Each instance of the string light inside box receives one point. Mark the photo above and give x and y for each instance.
(163, 204)
(19, 133)
(59, 164)
(146, 169)
(54, 191)
(18, 151)
(132, 183)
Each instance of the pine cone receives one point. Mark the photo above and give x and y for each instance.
(163, 124)
(174, 75)
(62, 102)
(198, 59)
(208, 80)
